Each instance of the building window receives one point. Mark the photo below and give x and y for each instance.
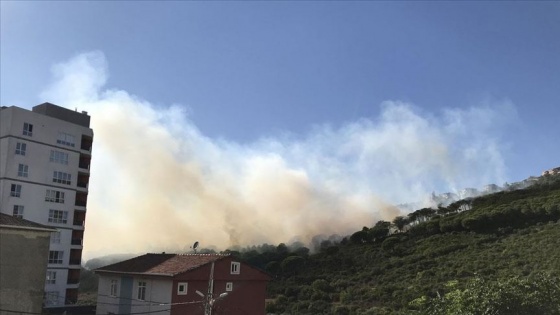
(58, 216)
(51, 298)
(229, 286)
(21, 148)
(182, 288)
(27, 129)
(62, 178)
(235, 267)
(55, 257)
(51, 277)
(23, 170)
(18, 211)
(15, 190)
(59, 157)
(141, 290)
(55, 237)
(54, 196)
(114, 287)
(65, 139)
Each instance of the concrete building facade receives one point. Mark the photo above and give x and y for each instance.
(24, 250)
(45, 158)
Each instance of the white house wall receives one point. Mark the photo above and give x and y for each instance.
(158, 295)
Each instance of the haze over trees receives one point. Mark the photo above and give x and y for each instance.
(500, 250)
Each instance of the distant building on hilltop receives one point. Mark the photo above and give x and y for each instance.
(45, 159)
(24, 250)
(468, 193)
(552, 171)
(444, 199)
(181, 284)
(491, 188)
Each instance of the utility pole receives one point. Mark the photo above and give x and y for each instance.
(210, 294)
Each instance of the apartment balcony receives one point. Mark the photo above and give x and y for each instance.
(83, 181)
(80, 203)
(84, 163)
(73, 281)
(82, 186)
(86, 144)
(77, 242)
(75, 257)
(81, 199)
(79, 224)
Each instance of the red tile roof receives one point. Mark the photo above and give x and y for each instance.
(162, 264)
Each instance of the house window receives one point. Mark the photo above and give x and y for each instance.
(58, 216)
(59, 157)
(15, 190)
(235, 266)
(182, 288)
(51, 298)
(62, 178)
(23, 170)
(114, 287)
(27, 129)
(51, 277)
(21, 148)
(65, 139)
(55, 257)
(229, 286)
(54, 196)
(18, 211)
(55, 237)
(141, 290)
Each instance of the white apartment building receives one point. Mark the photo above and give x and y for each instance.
(45, 158)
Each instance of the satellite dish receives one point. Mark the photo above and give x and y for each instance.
(195, 245)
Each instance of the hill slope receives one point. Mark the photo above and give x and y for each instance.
(504, 235)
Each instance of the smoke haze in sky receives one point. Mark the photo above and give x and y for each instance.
(158, 183)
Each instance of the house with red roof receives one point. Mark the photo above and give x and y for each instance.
(177, 284)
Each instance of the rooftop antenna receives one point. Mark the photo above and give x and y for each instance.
(195, 245)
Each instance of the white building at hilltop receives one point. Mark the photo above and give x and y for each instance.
(45, 158)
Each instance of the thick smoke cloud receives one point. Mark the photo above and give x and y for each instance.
(159, 184)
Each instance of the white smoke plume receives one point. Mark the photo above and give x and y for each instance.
(158, 184)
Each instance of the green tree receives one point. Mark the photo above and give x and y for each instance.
(273, 267)
(514, 296)
(291, 264)
(400, 222)
(379, 231)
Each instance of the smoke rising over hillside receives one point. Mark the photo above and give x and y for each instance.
(158, 183)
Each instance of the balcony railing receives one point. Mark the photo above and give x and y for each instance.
(77, 241)
(86, 146)
(75, 261)
(73, 281)
(80, 203)
(83, 184)
(79, 222)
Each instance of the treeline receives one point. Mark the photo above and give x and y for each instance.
(500, 212)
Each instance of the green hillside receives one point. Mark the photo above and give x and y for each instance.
(506, 241)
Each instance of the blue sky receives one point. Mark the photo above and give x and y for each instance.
(479, 80)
